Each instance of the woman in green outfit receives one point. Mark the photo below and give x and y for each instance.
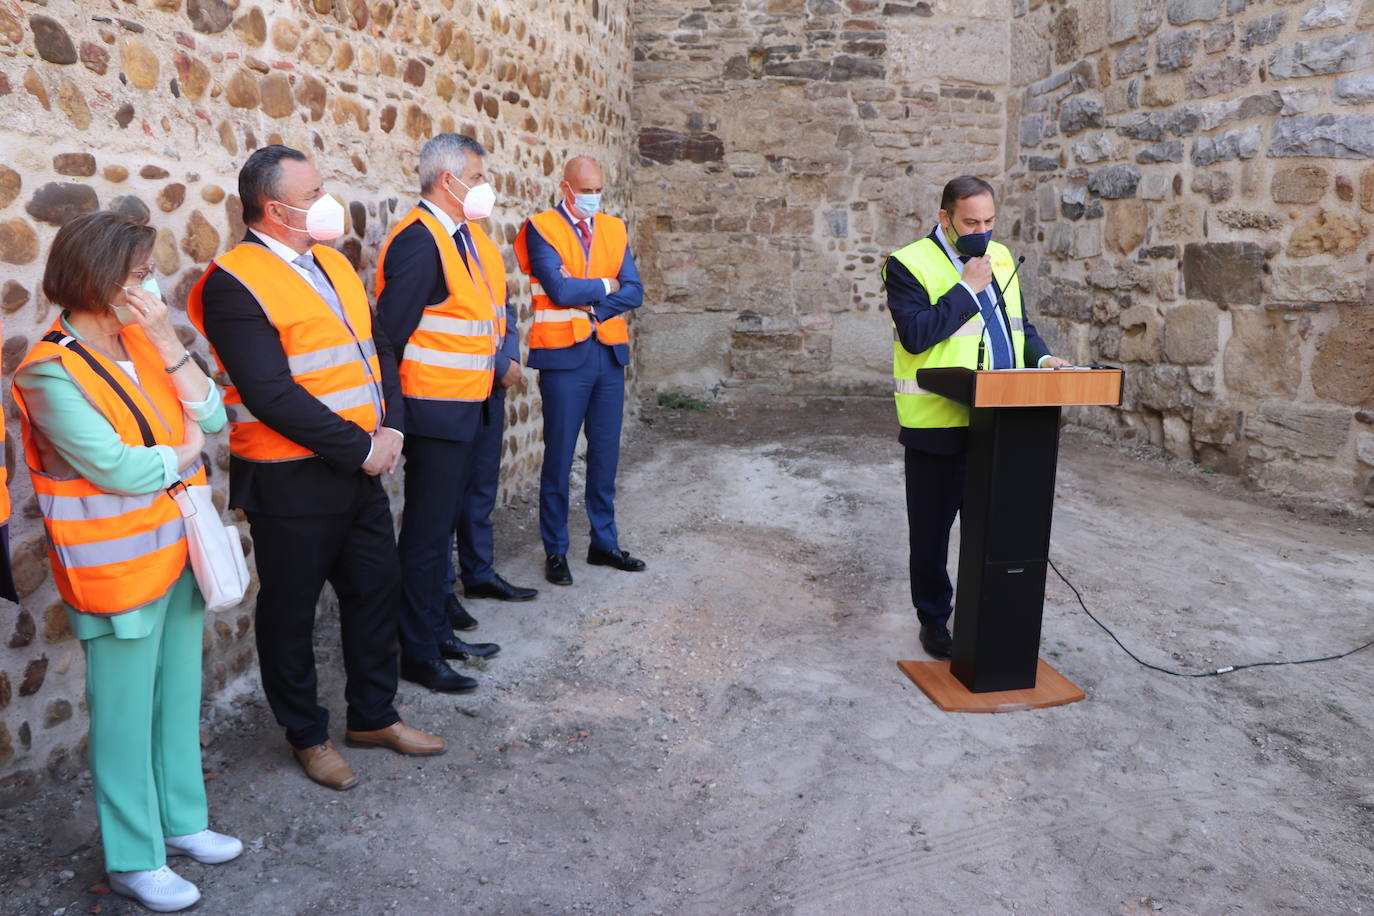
(114, 412)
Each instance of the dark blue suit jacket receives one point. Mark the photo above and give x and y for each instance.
(415, 280)
(921, 324)
(571, 292)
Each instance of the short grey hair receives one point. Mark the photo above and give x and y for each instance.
(445, 153)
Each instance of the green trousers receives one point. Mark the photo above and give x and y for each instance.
(144, 699)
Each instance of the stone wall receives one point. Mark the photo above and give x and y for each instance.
(1194, 183)
(1191, 180)
(150, 106)
(785, 148)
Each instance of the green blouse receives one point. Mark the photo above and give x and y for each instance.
(81, 435)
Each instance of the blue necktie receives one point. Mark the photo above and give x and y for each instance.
(997, 333)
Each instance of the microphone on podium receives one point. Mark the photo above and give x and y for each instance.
(1002, 289)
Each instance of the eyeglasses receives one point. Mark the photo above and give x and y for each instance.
(142, 273)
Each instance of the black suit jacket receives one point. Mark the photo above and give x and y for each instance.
(415, 280)
(250, 350)
(921, 324)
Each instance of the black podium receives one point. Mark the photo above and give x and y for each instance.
(1013, 449)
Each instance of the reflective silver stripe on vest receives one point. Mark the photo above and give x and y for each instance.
(449, 360)
(121, 550)
(335, 401)
(100, 505)
(971, 328)
(349, 397)
(444, 324)
(908, 386)
(1018, 324)
(543, 315)
(331, 357)
(97, 505)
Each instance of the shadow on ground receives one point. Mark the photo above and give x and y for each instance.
(728, 732)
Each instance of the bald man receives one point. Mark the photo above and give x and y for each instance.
(582, 282)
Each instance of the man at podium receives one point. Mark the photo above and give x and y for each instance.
(955, 302)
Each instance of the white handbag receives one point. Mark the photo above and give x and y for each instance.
(215, 548)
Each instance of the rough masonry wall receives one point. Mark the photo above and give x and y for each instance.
(1194, 183)
(150, 106)
(786, 147)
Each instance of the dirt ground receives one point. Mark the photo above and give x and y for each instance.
(727, 732)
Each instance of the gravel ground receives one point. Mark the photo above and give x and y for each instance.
(727, 732)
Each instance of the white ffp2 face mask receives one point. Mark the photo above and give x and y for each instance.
(480, 199)
(324, 220)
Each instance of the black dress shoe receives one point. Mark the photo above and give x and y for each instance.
(437, 675)
(937, 641)
(556, 569)
(617, 558)
(458, 616)
(457, 649)
(501, 590)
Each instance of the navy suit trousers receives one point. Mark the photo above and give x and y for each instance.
(437, 475)
(476, 543)
(934, 494)
(592, 395)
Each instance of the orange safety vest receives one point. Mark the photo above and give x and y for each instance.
(333, 360)
(554, 327)
(451, 355)
(111, 553)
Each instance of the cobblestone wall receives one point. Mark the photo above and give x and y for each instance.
(785, 148)
(1194, 180)
(150, 106)
(1191, 180)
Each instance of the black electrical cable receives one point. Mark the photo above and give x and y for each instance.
(1226, 670)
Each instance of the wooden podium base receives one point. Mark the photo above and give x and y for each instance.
(948, 692)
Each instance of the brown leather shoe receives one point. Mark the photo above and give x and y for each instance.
(401, 738)
(326, 766)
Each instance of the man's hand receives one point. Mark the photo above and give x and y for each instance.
(386, 452)
(978, 274)
(512, 376)
(615, 284)
(1055, 362)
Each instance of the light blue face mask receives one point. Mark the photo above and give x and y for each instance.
(588, 203)
(149, 284)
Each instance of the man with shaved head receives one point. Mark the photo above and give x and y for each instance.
(582, 282)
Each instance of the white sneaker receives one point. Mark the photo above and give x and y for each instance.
(160, 890)
(207, 847)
